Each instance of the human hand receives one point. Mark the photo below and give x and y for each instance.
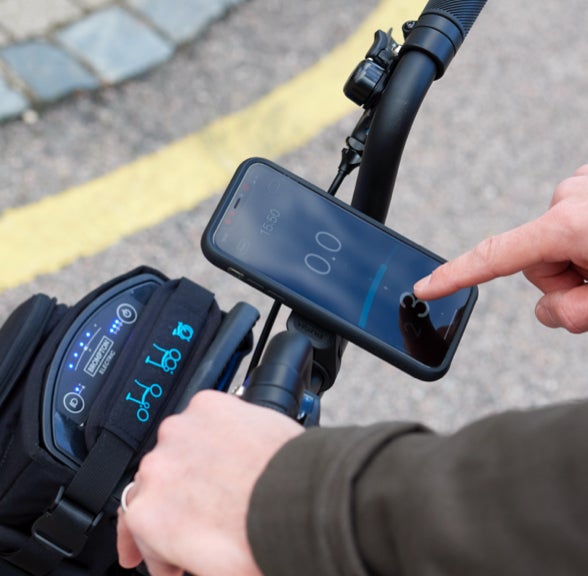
(188, 506)
(552, 252)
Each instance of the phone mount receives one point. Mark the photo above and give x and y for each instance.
(390, 84)
(323, 349)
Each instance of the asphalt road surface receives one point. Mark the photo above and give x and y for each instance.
(494, 137)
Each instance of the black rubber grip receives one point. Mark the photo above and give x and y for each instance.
(462, 12)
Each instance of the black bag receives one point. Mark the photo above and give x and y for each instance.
(82, 392)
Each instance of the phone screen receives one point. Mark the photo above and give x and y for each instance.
(310, 250)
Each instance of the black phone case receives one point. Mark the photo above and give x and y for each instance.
(313, 311)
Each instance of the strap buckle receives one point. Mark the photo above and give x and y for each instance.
(65, 527)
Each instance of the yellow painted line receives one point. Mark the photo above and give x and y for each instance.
(45, 236)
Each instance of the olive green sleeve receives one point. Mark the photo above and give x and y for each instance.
(506, 495)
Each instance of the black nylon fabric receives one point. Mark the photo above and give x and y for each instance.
(144, 383)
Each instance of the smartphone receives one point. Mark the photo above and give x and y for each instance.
(335, 266)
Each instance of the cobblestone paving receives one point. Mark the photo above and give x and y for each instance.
(50, 49)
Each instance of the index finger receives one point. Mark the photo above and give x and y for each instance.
(508, 253)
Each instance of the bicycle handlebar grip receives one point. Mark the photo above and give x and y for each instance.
(442, 28)
(283, 374)
(462, 12)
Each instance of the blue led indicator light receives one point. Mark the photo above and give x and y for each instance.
(88, 334)
(71, 366)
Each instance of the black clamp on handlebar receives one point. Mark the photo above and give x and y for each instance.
(442, 28)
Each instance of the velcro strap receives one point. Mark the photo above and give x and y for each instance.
(176, 342)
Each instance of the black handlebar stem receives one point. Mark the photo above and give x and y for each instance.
(283, 375)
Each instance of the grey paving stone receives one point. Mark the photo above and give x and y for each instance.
(49, 71)
(12, 103)
(92, 4)
(181, 20)
(28, 18)
(116, 44)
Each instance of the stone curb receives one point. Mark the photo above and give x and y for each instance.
(98, 43)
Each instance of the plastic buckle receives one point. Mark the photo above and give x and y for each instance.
(65, 527)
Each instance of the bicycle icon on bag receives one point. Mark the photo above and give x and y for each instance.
(170, 358)
(154, 390)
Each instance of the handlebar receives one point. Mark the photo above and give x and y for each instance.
(393, 119)
(431, 44)
(463, 13)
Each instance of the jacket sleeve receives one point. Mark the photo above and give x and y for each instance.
(505, 495)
